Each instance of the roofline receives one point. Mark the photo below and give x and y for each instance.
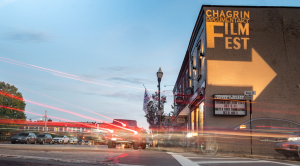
(250, 6)
(195, 30)
(185, 60)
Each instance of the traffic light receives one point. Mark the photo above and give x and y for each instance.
(152, 136)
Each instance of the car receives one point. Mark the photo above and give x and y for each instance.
(44, 138)
(81, 142)
(73, 140)
(125, 138)
(96, 140)
(24, 137)
(289, 147)
(61, 139)
(87, 143)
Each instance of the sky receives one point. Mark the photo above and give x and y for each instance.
(95, 55)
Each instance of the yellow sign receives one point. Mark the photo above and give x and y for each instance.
(235, 26)
(256, 73)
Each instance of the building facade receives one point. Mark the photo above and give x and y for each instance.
(234, 49)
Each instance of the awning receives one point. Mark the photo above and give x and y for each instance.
(184, 111)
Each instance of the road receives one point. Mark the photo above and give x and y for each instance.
(49, 155)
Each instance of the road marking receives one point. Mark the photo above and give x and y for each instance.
(183, 160)
(225, 162)
(233, 158)
(283, 163)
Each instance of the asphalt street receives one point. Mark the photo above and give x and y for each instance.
(22, 154)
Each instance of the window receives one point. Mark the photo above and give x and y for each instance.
(200, 62)
(192, 120)
(187, 77)
(201, 116)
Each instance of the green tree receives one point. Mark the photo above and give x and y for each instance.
(152, 107)
(11, 102)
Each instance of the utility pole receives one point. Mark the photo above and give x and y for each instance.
(250, 121)
(250, 97)
(45, 120)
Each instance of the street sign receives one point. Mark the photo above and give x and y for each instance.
(180, 120)
(250, 97)
(249, 92)
(172, 118)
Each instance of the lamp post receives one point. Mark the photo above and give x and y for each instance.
(159, 76)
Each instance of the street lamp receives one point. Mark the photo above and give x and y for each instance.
(159, 76)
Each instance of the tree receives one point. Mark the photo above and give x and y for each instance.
(11, 102)
(152, 107)
(173, 112)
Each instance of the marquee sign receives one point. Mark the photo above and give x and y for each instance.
(234, 105)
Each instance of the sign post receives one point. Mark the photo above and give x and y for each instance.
(250, 93)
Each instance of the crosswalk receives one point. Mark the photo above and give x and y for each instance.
(190, 159)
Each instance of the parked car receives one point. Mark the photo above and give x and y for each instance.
(24, 137)
(61, 139)
(96, 140)
(44, 138)
(87, 142)
(289, 147)
(81, 142)
(73, 140)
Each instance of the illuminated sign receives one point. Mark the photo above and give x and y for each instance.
(230, 105)
(235, 26)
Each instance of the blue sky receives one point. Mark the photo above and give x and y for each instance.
(112, 42)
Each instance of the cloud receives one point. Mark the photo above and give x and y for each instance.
(26, 36)
(124, 95)
(131, 80)
(114, 68)
(5, 2)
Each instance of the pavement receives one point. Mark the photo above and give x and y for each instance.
(49, 155)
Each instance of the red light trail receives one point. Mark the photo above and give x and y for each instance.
(72, 105)
(51, 107)
(62, 74)
(15, 109)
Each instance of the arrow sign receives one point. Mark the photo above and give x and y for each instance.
(256, 74)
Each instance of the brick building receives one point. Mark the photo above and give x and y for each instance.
(234, 49)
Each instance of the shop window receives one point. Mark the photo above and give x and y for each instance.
(197, 119)
(192, 121)
(201, 116)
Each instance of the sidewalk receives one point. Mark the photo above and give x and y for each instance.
(222, 153)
